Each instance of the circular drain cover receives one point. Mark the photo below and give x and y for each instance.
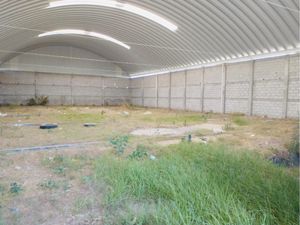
(89, 124)
(48, 126)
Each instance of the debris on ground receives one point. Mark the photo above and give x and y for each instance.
(285, 158)
(152, 157)
(147, 113)
(218, 130)
(125, 113)
(3, 114)
(48, 126)
(89, 124)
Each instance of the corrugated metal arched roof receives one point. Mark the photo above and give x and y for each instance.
(208, 30)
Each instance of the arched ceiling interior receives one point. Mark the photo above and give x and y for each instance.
(163, 35)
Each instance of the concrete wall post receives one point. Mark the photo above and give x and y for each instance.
(170, 86)
(71, 86)
(251, 82)
(103, 91)
(223, 88)
(286, 85)
(184, 97)
(35, 87)
(156, 91)
(202, 90)
(143, 91)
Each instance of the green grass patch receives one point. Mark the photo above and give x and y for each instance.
(240, 121)
(198, 184)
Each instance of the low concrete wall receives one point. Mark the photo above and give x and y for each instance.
(268, 87)
(63, 89)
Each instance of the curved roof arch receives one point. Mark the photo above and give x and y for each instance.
(208, 30)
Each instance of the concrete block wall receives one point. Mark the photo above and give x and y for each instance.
(267, 87)
(63, 89)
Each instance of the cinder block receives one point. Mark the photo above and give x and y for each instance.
(212, 91)
(150, 92)
(269, 69)
(293, 109)
(86, 91)
(164, 80)
(136, 92)
(53, 90)
(294, 67)
(116, 92)
(269, 89)
(60, 100)
(212, 105)
(194, 77)
(177, 92)
(213, 74)
(24, 89)
(268, 108)
(193, 104)
(87, 100)
(178, 79)
(150, 81)
(136, 82)
(116, 82)
(53, 79)
(150, 102)
(236, 106)
(136, 101)
(7, 78)
(177, 103)
(193, 91)
(88, 81)
(239, 72)
(163, 102)
(294, 89)
(163, 92)
(8, 89)
(237, 90)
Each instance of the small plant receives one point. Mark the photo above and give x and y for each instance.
(49, 184)
(140, 152)
(228, 126)
(60, 170)
(119, 143)
(15, 188)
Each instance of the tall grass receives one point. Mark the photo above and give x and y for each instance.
(197, 184)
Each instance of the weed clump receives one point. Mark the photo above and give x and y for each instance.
(119, 143)
(15, 188)
(139, 153)
(38, 100)
(49, 184)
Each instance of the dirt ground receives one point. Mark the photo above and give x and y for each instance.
(53, 186)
